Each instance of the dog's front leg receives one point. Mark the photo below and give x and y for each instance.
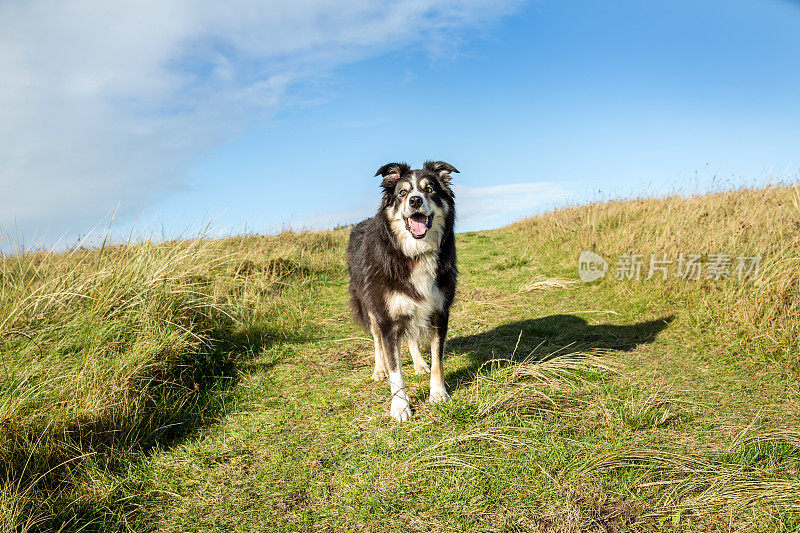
(401, 408)
(380, 359)
(438, 390)
(420, 366)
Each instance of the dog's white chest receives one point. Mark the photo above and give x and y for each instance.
(423, 279)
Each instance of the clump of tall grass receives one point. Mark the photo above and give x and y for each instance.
(107, 352)
(753, 319)
(755, 476)
(102, 351)
(547, 284)
(538, 386)
(653, 410)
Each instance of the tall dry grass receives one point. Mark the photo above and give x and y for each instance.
(755, 319)
(755, 477)
(107, 352)
(743, 486)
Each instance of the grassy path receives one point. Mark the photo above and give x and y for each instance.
(307, 444)
(219, 384)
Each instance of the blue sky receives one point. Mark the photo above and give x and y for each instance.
(277, 114)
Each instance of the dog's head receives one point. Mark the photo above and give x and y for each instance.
(418, 204)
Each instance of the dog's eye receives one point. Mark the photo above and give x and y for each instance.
(428, 189)
(403, 192)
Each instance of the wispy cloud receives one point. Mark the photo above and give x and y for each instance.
(105, 103)
(496, 205)
(477, 208)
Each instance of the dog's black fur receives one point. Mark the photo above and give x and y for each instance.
(396, 292)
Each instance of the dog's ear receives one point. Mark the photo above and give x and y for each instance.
(440, 168)
(391, 172)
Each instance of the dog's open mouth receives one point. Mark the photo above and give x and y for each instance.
(419, 224)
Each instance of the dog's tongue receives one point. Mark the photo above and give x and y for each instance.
(418, 224)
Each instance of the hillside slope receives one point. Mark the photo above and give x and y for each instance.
(219, 384)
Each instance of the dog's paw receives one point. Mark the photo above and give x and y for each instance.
(379, 375)
(438, 395)
(401, 410)
(422, 369)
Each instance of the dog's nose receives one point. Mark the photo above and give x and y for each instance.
(415, 201)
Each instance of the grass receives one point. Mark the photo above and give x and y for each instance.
(210, 385)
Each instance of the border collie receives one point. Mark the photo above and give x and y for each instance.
(402, 265)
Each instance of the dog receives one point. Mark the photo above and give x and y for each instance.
(402, 266)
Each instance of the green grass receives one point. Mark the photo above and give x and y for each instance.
(219, 385)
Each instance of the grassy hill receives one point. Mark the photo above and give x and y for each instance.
(219, 385)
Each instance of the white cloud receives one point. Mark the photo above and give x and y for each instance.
(477, 208)
(104, 103)
(497, 205)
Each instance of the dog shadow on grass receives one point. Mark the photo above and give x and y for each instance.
(541, 338)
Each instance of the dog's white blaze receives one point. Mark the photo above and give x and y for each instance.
(426, 206)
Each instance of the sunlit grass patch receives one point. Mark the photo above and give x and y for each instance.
(547, 284)
(650, 410)
(105, 353)
(555, 384)
(213, 384)
(756, 477)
